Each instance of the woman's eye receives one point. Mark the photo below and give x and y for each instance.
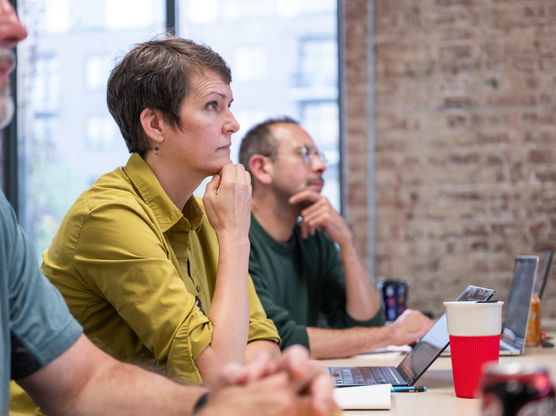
(213, 105)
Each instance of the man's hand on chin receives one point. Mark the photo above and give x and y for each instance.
(320, 213)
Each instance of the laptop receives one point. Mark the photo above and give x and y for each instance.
(415, 363)
(514, 329)
(543, 277)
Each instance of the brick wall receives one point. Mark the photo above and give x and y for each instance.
(465, 127)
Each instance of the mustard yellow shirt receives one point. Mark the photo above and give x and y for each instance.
(138, 273)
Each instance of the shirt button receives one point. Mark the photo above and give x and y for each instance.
(198, 288)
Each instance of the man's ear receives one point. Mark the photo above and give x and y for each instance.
(153, 124)
(261, 168)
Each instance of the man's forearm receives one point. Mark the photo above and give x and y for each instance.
(338, 343)
(85, 381)
(128, 390)
(362, 298)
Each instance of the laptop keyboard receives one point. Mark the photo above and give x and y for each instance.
(363, 375)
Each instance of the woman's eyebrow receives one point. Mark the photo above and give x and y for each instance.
(223, 96)
(220, 94)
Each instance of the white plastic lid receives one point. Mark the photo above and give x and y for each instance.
(471, 318)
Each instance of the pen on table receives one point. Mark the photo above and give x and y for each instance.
(409, 389)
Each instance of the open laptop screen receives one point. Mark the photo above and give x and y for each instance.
(543, 276)
(515, 326)
(436, 339)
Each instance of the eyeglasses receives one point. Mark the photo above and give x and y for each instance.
(309, 154)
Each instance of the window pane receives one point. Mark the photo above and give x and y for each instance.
(202, 11)
(66, 136)
(283, 55)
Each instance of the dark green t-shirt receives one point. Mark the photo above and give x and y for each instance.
(298, 281)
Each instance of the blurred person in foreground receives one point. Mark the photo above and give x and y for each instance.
(43, 348)
(299, 273)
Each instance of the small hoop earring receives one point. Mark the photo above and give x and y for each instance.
(156, 150)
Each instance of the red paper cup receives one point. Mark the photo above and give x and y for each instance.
(469, 356)
(474, 330)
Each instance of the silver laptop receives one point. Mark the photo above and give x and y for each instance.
(416, 362)
(514, 329)
(540, 283)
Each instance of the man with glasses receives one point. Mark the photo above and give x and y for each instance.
(299, 273)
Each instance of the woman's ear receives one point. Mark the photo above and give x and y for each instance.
(153, 124)
(262, 169)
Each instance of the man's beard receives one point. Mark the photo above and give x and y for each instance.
(7, 107)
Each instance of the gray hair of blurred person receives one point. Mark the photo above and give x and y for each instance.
(157, 75)
(260, 141)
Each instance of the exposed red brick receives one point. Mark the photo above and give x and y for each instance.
(465, 130)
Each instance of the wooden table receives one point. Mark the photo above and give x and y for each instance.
(440, 398)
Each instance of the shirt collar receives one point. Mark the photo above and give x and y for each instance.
(145, 181)
(286, 247)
